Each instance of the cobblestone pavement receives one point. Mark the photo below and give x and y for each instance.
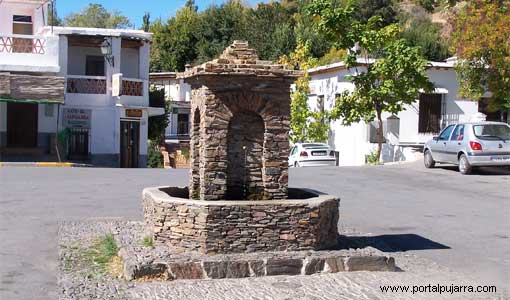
(351, 285)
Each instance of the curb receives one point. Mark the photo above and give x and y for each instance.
(44, 164)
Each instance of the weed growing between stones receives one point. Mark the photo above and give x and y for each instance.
(101, 257)
(148, 242)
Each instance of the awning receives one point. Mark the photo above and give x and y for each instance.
(29, 101)
(156, 111)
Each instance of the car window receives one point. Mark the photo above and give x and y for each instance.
(492, 131)
(293, 151)
(446, 133)
(458, 133)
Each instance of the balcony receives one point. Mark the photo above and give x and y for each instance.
(77, 84)
(27, 53)
(134, 92)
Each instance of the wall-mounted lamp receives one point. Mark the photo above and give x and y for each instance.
(106, 50)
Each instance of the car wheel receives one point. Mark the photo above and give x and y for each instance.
(464, 166)
(428, 160)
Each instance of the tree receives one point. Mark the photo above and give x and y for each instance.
(421, 32)
(389, 75)
(191, 5)
(365, 9)
(95, 15)
(53, 19)
(174, 43)
(158, 124)
(306, 124)
(481, 40)
(146, 22)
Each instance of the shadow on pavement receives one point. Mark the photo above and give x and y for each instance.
(485, 171)
(390, 242)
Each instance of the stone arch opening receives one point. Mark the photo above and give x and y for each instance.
(195, 147)
(245, 154)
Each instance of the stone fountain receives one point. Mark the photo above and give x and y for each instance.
(238, 198)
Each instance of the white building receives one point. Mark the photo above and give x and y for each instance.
(404, 133)
(179, 95)
(102, 74)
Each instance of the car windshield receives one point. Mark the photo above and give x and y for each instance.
(492, 131)
(315, 146)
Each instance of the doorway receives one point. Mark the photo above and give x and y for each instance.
(129, 144)
(22, 125)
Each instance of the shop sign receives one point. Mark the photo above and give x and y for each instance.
(77, 117)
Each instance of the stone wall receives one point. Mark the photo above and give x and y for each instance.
(229, 96)
(239, 226)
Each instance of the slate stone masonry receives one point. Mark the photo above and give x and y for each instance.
(212, 227)
(240, 107)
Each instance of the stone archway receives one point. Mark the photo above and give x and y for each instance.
(245, 155)
(195, 148)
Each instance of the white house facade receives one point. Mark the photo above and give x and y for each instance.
(404, 133)
(179, 95)
(102, 113)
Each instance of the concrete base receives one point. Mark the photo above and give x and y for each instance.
(308, 222)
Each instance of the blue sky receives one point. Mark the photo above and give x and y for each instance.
(135, 9)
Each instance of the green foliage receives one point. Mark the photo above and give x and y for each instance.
(419, 31)
(158, 124)
(383, 85)
(306, 124)
(365, 9)
(95, 15)
(372, 158)
(193, 37)
(154, 156)
(53, 18)
(174, 42)
(148, 242)
(146, 22)
(481, 40)
(333, 56)
(102, 252)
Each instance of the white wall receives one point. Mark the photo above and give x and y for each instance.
(77, 57)
(47, 124)
(352, 142)
(130, 64)
(7, 10)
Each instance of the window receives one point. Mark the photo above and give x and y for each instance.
(429, 120)
(320, 103)
(183, 124)
(294, 150)
(48, 110)
(492, 132)
(446, 133)
(94, 66)
(458, 134)
(22, 19)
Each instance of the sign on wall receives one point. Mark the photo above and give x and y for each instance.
(117, 84)
(77, 117)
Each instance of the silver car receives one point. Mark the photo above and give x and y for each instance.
(470, 145)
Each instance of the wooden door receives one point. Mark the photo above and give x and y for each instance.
(129, 144)
(22, 125)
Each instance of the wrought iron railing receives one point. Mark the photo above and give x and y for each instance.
(22, 44)
(86, 84)
(132, 87)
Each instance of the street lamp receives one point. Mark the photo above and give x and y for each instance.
(106, 50)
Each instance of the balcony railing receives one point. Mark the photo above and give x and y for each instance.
(22, 44)
(132, 87)
(86, 84)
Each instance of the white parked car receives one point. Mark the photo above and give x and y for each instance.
(311, 154)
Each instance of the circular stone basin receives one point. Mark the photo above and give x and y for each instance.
(307, 222)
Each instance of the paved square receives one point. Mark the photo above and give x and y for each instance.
(461, 222)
